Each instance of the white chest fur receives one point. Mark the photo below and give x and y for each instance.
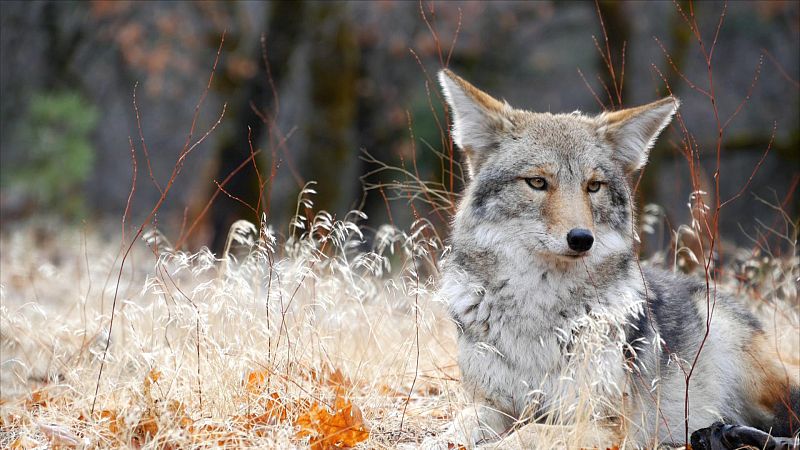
(534, 337)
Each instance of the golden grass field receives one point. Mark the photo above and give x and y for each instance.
(314, 341)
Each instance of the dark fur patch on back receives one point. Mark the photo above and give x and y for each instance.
(671, 311)
(671, 307)
(638, 334)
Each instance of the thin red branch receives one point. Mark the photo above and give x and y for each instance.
(780, 68)
(755, 169)
(455, 38)
(678, 71)
(175, 171)
(233, 197)
(270, 80)
(749, 92)
(141, 139)
(608, 57)
(258, 171)
(594, 94)
(608, 92)
(126, 214)
(182, 238)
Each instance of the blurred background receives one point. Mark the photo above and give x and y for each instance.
(345, 80)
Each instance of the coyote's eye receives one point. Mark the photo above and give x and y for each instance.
(537, 183)
(594, 186)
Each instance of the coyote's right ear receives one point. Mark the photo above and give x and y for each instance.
(633, 131)
(478, 119)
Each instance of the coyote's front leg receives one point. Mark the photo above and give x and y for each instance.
(479, 423)
(491, 429)
(476, 424)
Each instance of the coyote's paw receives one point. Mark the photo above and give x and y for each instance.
(451, 440)
(720, 436)
(441, 442)
(475, 425)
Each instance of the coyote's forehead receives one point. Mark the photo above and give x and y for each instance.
(559, 131)
(559, 141)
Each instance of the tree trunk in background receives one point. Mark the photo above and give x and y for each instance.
(323, 148)
(284, 25)
(332, 153)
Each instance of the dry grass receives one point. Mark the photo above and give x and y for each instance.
(259, 348)
(278, 331)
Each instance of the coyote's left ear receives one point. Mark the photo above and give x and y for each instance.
(632, 132)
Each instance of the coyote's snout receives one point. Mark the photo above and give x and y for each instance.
(555, 315)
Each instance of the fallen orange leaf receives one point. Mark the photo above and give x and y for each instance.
(344, 428)
(256, 380)
(24, 443)
(39, 399)
(147, 426)
(389, 391)
(113, 420)
(338, 380)
(178, 411)
(151, 378)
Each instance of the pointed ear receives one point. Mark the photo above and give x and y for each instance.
(478, 119)
(632, 132)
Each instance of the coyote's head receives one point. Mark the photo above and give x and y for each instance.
(555, 185)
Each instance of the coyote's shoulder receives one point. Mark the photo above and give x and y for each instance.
(555, 315)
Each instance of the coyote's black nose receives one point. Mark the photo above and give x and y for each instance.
(579, 239)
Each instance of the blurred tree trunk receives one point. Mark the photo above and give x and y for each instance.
(63, 41)
(284, 25)
(325, 114)
(331, 154)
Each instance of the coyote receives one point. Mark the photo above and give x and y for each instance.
(554, 313)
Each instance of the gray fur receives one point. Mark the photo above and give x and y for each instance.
(530, 313)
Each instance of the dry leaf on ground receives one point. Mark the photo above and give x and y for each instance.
(344, 428)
